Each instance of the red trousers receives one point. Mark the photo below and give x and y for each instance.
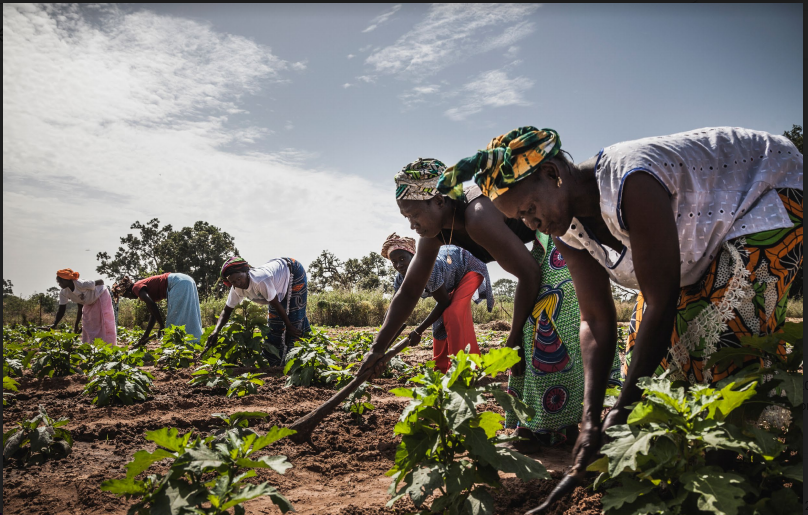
(458, 323)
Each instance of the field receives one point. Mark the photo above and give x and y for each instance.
(344, 475)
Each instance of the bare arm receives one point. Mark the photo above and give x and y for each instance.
(598, 336)
(655, 251)
(486, 225)
(408, 294)
(59, 314)
(78, 318)
(155, 315)
(443, 300)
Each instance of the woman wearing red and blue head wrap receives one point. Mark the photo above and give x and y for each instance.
(282, 286)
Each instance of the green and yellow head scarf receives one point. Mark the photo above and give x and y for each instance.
(508, 159)
(419, 179)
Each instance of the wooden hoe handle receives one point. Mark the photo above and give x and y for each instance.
(305, 425)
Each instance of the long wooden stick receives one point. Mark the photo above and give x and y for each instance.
(305, 425)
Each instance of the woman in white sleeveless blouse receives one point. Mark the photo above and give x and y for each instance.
(707, 224)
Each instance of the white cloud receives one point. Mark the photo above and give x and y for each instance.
(378, 20)
(289, 125)
(512, 52)
(418, 95)
(451, 33)
(126, 117)
(492, 89)
(299, 66)
(351, 56)
(370, 79)
(347, 85)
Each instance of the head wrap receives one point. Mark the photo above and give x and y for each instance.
(396, 242)
(508, 159)
(418, 180)
(121, 286)
(66, 273)
(233, 265)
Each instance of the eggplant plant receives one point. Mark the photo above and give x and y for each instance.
(245, 384)
(38, 439)
(448, 446)
(663, 460)
(205, 476)
(116, 381)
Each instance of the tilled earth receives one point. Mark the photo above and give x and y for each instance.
(344, 475)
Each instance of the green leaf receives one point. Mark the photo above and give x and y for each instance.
(785, 501)
(793, 472)
(479, 502)
(716, 489)
(623, 450)
(792, 384)
(489, 421)
(768, 445)
(510, 403)
(142, 460)
(403, 392)
(478, 444)
(663, 388)
(459, 408)
(460, 476)
(525, 468)
(647, 412)
(124, 486)
(599, 465)
(272, 436)
(499, 360)
(277, 463)
(168, 437)
(247, 493)
(730, 399)
(198, 460)
(630, 490)
(425, 480)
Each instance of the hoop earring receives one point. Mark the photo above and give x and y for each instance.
(558, 181)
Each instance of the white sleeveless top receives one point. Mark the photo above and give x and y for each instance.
(721, 183)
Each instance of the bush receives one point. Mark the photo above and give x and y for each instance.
(210, 471)
(38, 439)
(696, 449)
(447, 445)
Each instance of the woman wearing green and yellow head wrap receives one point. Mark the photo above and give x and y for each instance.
(550, 376)
(707, 224)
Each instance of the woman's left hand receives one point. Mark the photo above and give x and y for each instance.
(294, 332)
(414, 338)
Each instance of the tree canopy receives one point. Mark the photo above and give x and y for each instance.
(197, 251)
(371, 272)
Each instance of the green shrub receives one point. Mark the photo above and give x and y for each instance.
(116, 381)
(245, 384)
(38, 439)
(55, 354)
(178, 350)
(447, 445)
(661, 459)
(210, 471)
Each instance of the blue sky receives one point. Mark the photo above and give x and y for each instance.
(284, 125)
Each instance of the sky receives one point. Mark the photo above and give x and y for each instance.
(285, 124)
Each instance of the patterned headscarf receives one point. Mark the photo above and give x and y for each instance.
(233, 265)
(67, 273)
(120, 287)
(418, 180)
(508, 159)
(396, 242)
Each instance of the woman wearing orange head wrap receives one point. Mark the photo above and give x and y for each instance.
(95, 306)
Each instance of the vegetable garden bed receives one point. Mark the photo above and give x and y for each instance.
(345, 476)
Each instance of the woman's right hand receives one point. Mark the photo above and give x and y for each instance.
(586, 447)
(414, 338)
(372, 360)
(519, 368)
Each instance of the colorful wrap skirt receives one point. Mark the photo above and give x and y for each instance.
(294, 302)
(553, 382)
(183, 305)
(743, 293)
(98, 320)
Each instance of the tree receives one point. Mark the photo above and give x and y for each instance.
(8, 288)
(504, 288)
(795, 135)
(371, 272)
(197, 251)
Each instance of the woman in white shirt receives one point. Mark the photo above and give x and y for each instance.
(95, 306)
(282, 286)
(707, 224)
